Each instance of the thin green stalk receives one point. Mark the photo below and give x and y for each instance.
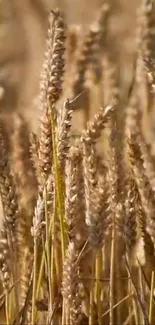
(151, 298)
(55, 255)
(130, 307)
(91, 301)
(59, 187)
(13, 253)
(112, 266)
(33, 320)
(41, 270)
(48, 253)
(42, 264)
(98, 286)
(58, 267)
(53, 250)
(142, 320)
(118, 285)
(60, 198)
(7, 308)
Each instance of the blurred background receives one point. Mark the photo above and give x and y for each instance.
(23, 26)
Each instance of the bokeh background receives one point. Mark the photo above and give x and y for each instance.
(23, 26)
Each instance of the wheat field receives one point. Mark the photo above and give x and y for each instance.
(77, 162)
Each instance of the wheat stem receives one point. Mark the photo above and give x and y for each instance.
(59, 187)
(7, 308)
(112, 266)
(98, 287)
(91, 301)
(151, 298)
(47, 246)
(33, 319)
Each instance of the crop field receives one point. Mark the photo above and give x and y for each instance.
(77, 162)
